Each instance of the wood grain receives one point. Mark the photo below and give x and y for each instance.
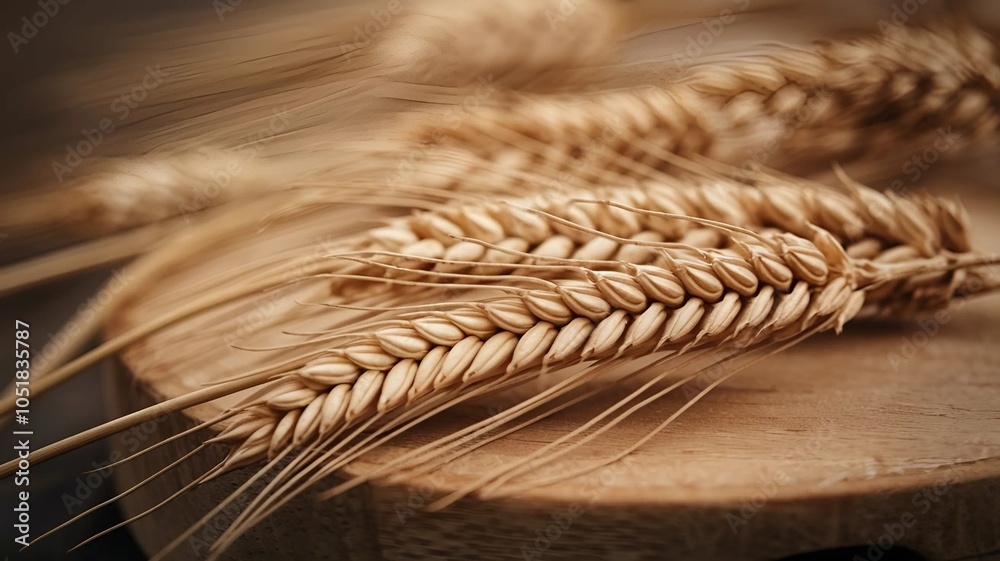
(882, 436)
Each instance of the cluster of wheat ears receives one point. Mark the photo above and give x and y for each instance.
(575, 242)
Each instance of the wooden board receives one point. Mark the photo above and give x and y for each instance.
(884, 437)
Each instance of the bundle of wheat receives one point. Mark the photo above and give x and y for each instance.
(576, 229)
(466, 300)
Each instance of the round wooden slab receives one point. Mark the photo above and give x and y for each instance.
(885, 437)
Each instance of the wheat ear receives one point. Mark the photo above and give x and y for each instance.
(793, 108)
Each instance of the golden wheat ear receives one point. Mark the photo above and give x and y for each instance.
(809, 106)
(866, 219)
